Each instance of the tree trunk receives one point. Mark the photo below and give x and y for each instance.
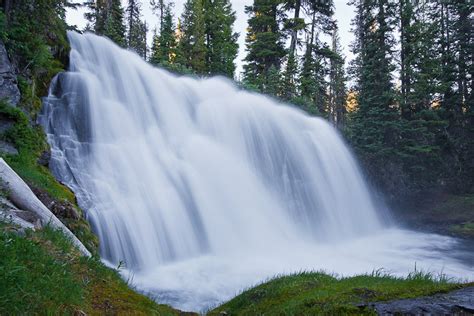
(22, 196)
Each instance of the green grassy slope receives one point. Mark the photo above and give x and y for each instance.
(315, 293)
(41, 273)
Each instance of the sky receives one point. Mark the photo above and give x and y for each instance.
(343, 15)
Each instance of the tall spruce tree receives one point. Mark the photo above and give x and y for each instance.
(97, 15)
(316, 59)
(114, 26)
(337, 84)
(221, 40)
(137, 29)
(155, 51)
(289, 83)
(374, 128)
(265, 42)
(192, 42)
(167, 40)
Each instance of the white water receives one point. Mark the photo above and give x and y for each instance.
(202, 189)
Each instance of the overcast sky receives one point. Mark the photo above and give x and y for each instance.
(343, 15)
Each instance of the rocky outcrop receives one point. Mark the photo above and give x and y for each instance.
(8, 83)
(459, 302)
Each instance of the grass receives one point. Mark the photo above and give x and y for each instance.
(315, 293)
(31, 142)
(42, 273)
(442, 213)
(457, 213)
(464, 229)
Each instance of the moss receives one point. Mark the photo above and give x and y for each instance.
(465, 229)
(313, 293)
(442, 213)
(31, 142)
(41, 273)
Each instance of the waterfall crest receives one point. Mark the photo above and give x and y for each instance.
(172, 169)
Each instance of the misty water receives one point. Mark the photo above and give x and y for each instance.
(202, 189)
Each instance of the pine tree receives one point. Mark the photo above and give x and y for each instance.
(137, 29)
(337, 84)
(155, 52)
(289, 81)
(264, 41)
(374, 127)
(272, 82)
(114, 26)
(167, 37)
(221, 41)
(192, 43)
(97, 15)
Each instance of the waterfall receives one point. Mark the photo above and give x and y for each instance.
(183, 177)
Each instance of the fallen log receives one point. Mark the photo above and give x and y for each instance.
(21, 195)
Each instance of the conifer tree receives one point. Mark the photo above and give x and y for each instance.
(163, 50)
(155, 52)
(137, 29)
(289, 81)
(374, 126)
(337, 84)
(192, 43)
(114, 25)
(264, 41)
(272, 82)
(221, 40)
(97, 15)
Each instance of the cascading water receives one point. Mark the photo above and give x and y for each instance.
(202, 189)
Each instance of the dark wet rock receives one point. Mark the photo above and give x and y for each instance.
(5, 124)
(44, 158)
(8, 82)
(7, 148)
(62, 209)
(459, 302)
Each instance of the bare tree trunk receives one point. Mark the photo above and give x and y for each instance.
(22, 196)
(294, 32)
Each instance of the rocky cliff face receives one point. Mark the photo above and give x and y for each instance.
(8, 82)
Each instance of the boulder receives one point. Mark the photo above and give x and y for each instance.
(8, 82)
(44, 158)
(7, 148)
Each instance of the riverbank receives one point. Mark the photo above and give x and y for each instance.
(442, 213)
(319, 293)
(42, 273)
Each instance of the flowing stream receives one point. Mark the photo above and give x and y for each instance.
(202, 189)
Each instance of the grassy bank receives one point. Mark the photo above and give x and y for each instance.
(42, 273)
(441, 213)
(318, 293)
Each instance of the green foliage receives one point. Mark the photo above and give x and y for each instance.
(115, 26)
(107, 18)
(137, 29)
(316, 293)
(264, 41)
(34, 281)
(36, 41)
(41, 273)
(416, 139)
(30, 142)
(163, 50)
(192, 48)
(221, 40)
(289, 81)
